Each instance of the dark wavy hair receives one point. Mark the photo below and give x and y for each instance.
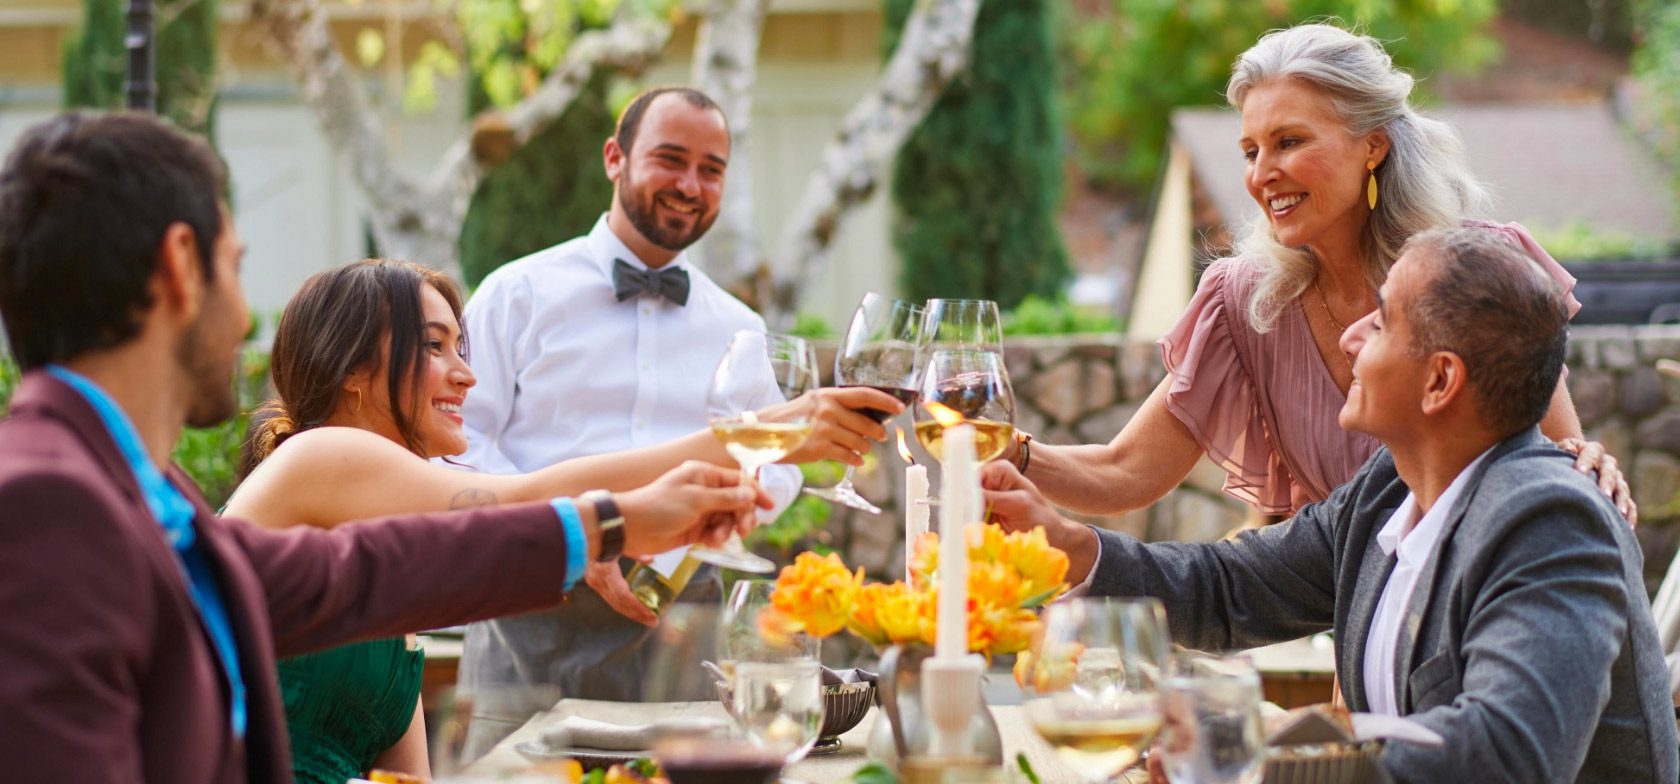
(85, 199)
(334, 327)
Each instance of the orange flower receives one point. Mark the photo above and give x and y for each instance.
(924, 559)
(995, 629)
(894, 613)
(817, 592)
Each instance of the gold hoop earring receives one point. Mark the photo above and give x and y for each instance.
(1371, 184)
(358, 392)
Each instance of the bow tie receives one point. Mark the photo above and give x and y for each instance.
(670, 282)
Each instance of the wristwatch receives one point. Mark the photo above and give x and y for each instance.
(609, 522)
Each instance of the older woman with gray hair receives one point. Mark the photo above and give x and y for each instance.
(1344, 171)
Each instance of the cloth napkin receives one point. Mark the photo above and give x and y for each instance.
(577, 732)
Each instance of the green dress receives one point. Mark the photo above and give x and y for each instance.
(346, 705)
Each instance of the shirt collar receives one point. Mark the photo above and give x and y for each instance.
(1422, 537)
(605, 247)
(171, 509)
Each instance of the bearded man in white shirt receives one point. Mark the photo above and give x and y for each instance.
(604, 343)
(1476, 582)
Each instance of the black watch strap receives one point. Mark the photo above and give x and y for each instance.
(609, 521)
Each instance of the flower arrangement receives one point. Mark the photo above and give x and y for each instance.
(1010, 575)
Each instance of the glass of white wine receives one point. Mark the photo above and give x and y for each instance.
(975, 384)
(1095, 683)
(756, 370)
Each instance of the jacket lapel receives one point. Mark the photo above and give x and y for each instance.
(1406, 647)
(1373, 573)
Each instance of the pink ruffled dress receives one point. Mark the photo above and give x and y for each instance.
(1264, 406)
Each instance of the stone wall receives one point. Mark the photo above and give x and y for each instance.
(1635, 411)
(1083, 389)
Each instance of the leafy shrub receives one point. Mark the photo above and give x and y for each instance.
(209, 455)
(1580, 240)
(1038, 316)
(811, 325)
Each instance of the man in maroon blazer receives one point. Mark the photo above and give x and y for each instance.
(138, 632)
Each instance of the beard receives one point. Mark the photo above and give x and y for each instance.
(209, 371)
(674, 237)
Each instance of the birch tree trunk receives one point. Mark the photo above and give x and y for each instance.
(933, 50)
(726, 68)
(417, 220)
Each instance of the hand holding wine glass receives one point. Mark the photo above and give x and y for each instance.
(752, 363)
(880, 351)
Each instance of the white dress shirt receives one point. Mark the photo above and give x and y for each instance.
(1412, 549)
(566, 370)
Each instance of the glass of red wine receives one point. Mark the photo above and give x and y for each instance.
(879, 352)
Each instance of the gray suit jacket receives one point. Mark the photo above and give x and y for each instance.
(1528, 643)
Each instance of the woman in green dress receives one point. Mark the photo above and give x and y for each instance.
(368, 363)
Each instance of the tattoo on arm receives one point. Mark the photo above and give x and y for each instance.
(472, 497)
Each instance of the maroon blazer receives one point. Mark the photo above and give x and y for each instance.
(107, 675)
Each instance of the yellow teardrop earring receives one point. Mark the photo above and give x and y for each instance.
(1371, 184)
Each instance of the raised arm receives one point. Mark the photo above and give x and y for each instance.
(1150, 456)
(329, 475)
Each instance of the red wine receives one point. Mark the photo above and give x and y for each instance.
(905, 396)
(724, 767)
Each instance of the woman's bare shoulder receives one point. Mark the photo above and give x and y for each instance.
(308, 465)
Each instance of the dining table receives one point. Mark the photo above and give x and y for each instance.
(837, 766)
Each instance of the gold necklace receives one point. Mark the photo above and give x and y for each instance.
(1340, 327)
(1324, 301)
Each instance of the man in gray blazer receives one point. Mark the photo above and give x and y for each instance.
(1475, 581)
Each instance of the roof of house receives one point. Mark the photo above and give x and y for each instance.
(1546, 165)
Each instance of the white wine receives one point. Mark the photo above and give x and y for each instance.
(656, 590)
(754, 443)
(1100, 747)
(990, 437)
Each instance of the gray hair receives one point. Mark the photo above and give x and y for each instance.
(1424, 182)
(1489, 302)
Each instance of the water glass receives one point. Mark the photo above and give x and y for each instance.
(780, 704)
(1212, 732)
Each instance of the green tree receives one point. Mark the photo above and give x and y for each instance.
(976, 188)
(95, 64)
(1131, 62)
(550, 190)
(1656, 63)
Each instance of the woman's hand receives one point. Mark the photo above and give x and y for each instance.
(838, 430)
(693, 503)
(1590, 456)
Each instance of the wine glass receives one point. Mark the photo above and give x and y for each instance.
(777, 693)
(695, 751)
(879, 352)
(754, 369)
(1095, 682)
(962, 324)
(1212, 732)
(972, 383)
(742, 630)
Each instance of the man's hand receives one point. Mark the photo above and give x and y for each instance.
(693, 503)
(838, 430)
(1017, 505)
(609, 583)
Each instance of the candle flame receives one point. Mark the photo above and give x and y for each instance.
(943, 414)
(903, 448)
